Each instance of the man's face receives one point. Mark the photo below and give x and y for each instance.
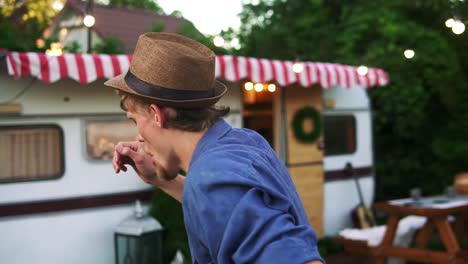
(156, 140)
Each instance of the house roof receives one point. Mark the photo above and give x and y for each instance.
(127, 24)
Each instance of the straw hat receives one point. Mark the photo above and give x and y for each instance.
(172, 70)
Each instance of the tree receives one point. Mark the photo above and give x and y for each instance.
(189, 30)
(419, 117)
(22, 22)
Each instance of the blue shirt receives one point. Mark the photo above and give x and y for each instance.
(240, 204)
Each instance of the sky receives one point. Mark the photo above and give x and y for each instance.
(208, 16)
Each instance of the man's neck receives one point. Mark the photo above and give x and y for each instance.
(185, 144)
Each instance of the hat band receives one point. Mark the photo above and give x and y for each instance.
(159, 92)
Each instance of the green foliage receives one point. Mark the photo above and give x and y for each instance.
(157, 26)
(169, 213)
(327, 246)
(419, 119)
(297, 124)
(24, 11)
(22, 23)
(109, 45)
(73, 47)
(189, 30)
(19, 36)
(8, 36)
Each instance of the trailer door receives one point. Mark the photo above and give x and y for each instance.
(304, 151)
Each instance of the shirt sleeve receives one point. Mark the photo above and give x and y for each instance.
(244, 223)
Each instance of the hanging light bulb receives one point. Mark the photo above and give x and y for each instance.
(298, 67)
(458, 27)
(449, 22)
(409, 53)
(272, 87)
(248, 86)
(362, 70)
(218, 41)
(57, 5)
(258, 87)
(40, 43)
(89, 20)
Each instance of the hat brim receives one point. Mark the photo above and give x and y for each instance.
(118, 82)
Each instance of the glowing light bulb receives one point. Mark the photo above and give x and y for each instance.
(458, 27)
(449, 22)
(40, 43)
(57, 5)
(409, 53)
(218, 41)
(272, 87)
(362, 70)
(258, 87)
(89, 20)
(298, 67)
(248, 86)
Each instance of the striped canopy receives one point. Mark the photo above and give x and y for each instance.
(86, 68)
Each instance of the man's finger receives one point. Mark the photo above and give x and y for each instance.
(114, 160)
(126, 151)
(129, 144)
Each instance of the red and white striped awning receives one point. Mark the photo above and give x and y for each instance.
(86, 68)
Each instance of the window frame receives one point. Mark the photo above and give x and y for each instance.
(355, 123)
(62, 151)
(84, 121)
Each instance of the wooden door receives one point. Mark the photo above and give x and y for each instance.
(305, 159)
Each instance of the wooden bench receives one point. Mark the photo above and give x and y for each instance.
(358, 247)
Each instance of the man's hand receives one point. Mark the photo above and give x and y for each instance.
(132, 153)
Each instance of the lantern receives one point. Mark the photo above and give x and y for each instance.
(138, 239)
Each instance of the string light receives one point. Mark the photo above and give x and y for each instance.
(248, 86)
(271, 87)
(458, 27)
(258, 87)
(40, 43)
(298, 67)
(57, 5)
(409, 53)
(362, 70)
(89, 21)
(218, 41)
(449, 22)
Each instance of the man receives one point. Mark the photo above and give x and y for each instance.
(239, 203)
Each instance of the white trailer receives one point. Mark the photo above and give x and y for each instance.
(60, 200)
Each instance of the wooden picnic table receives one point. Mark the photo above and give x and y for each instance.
(437, 210)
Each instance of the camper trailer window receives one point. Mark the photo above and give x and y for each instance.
(31, 153)
(103, 135)
(340, 134)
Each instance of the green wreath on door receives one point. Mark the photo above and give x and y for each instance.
(299, 117)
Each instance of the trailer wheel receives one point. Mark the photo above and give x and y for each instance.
(299, 117)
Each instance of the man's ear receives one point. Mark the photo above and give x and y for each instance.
(158, 115)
